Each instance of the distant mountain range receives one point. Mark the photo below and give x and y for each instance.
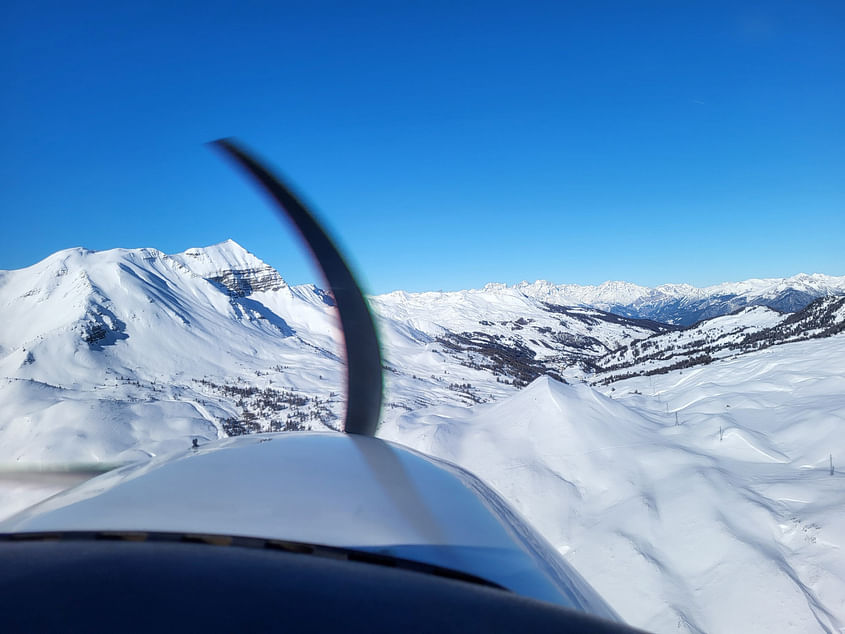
(743, 331)
(105, 354)
(684, 305)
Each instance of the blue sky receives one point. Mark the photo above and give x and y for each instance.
(445, 144)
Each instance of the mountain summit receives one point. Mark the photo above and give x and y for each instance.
(232, 266)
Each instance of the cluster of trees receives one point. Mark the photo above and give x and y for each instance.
(823, 317)
(687, 362)
(260, 408)
(465, 389)
(482, 351)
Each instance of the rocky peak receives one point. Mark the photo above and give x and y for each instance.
(230, 265)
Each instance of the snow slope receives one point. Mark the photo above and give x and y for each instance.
(107, 354)
(718, 337)
(727, 521)
(680, 527)
(746, 330)
(114, 354)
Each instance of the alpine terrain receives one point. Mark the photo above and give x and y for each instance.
(681, 446)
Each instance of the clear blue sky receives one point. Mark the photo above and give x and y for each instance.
(446, 144)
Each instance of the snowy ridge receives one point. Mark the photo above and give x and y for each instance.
(219, 335)
(218, 258)
(622, 293)
(232, 266)
(682, 499)
(744, 331)
(684, 304)
(115, 354)
(522, 337)
(107, 352)
(707, 484)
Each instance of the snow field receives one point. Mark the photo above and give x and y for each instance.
(677, 529)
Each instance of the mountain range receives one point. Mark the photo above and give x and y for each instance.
(104, 353)
(684, 305)
(688, 439)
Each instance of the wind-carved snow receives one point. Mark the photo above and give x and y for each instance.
(695, 499)
(726, 521)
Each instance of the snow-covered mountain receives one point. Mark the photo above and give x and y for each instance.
(740, 332)
(103, 353)
(694, 501)
(693, 459)
(512, 334)
(683, 304)
(213, 341)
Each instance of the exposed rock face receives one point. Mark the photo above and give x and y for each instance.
(242, 283)
(101, 327)
(232, 267)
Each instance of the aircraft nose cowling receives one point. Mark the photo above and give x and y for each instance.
(336, 490)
